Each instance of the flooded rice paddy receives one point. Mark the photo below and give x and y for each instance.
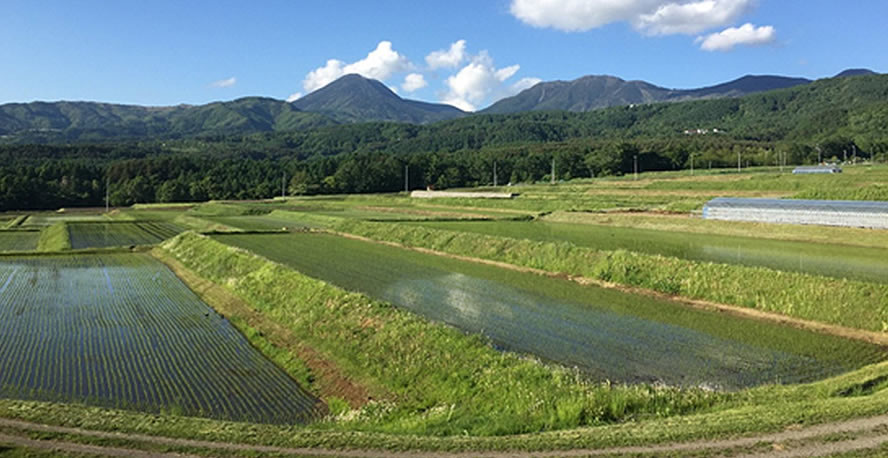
(121, 331)
(607, 334)
(839, 261)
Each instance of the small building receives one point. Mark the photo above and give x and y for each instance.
(850, 213)
(816, 169)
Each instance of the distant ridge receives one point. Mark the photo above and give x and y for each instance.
(602, 91)
(855, 72)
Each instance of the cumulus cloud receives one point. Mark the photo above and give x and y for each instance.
(447, 58)
(294, 97)
(652, 17)
(747, 34)
(477, 80)
(413, 82)
(228, 82)
(379, 64)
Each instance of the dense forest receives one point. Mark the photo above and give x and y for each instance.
(828, 119)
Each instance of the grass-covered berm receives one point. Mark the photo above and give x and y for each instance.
(848, 303)
(434, 379)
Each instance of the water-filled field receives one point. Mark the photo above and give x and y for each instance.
(121, 331)
(605, 333)
(841, 261)
(18, 240)
(98, 235)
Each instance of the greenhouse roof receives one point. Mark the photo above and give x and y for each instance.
(857, 206)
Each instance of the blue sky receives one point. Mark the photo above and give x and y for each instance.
(468, 53)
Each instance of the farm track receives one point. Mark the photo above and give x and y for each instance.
(823, 328)
(780, 443)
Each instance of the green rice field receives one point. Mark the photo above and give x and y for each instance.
(607, 334)
(121, 331)
(109, 234)
(840, 261)
(18, 240)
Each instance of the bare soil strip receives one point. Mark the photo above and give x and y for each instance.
(858, 425)
(823, 328)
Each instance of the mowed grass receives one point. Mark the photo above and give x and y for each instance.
(110, 234)
(121, 331)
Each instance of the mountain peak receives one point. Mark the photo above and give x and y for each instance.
(353, 97)
(855, 72)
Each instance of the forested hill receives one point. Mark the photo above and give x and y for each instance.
(853, 108)
(594, 92)
(53, 122)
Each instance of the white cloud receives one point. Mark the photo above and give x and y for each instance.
(691, 18)
(228, 82)
(449, 58)
(473, 83)
(413, 82)
(524, 83)
(294, 97)
(747, 34)
(379, 64)
(652, 17)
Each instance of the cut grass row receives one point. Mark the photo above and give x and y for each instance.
(853, 304)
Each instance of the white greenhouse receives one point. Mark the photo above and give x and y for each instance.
(817, 169)
(851, 213)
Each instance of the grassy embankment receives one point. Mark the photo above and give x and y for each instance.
(54, 238)
(853, 304)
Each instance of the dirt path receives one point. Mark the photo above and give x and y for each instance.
(781, 451)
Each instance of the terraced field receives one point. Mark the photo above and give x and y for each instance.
(840, 261)
(608, 334)
(18, 240)
(109, 234)
(121, 331)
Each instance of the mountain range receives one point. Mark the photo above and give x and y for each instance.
(349, 99)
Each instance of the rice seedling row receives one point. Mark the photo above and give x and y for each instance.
(121, 331)
(98, 235)
(609, 335)
(18, 240)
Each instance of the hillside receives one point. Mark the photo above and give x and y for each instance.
(602, 91)
(354, 98)
(88, 121)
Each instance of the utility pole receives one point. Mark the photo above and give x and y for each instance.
(406, 178)
(284, 185)
(635, 164)
(692, 163)
(819, 155)
(739, 165)
(854, 149)
(107, 193)
(844, 155)
(553, 171)
(494, 174)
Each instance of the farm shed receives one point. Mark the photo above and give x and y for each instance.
(850, 213)
(817, 169)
